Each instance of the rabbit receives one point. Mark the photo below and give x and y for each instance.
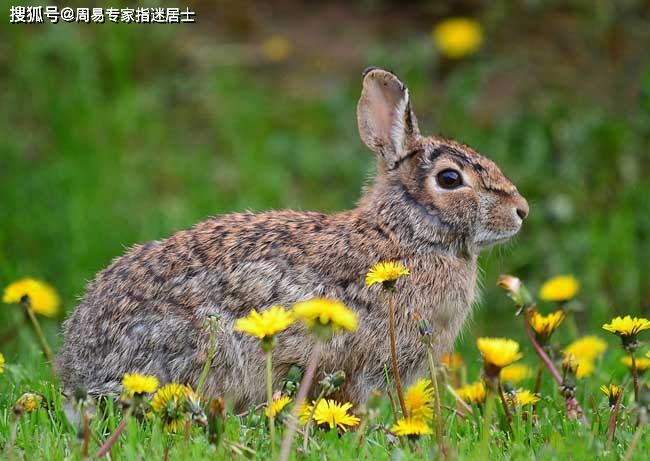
(433, 205)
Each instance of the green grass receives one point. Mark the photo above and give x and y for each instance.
(112, 135)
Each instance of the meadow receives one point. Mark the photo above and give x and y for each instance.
(116, 134)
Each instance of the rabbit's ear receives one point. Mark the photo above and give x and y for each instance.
(387, 124)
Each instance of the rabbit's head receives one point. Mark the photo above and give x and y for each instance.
(432, 192)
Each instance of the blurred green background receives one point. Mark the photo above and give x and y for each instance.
(114, 134)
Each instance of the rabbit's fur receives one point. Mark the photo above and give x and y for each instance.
(145, 312)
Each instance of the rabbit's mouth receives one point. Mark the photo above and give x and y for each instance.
(490, 238)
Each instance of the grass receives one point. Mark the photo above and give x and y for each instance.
(104, 144)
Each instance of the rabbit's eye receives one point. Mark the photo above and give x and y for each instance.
(449, 179)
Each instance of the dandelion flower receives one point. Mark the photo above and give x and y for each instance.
(458, 37)
(642, 364)
(587, 347)
(411, 428)
(30, 401)
(2, 363)
(321, 312)
(497, 353)
(627, 328)
(277, 406)
(559, 289)
(419, 400)
(169, 403)
(473, 394)
(267, 324)
(331, 413)
(585, 368)
(43, 298)
(523, 397)
(386, 273)
(612, 391)
(452, 361)
(515, 373)
(135, 383)
(545, 325)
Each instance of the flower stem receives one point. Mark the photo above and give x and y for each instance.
(434, 379)
(104, 449)
(393, 354)
(39, 332)
(305, 443)
(269, 399)
(572, 403)
(635, 377)
(305, 383)
(613, 418)
(505, 408)
(212, 324)
(487, 422)
(389, 392)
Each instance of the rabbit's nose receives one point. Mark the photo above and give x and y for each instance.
(521, 206)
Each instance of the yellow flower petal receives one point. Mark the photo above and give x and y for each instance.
(418, 399)
(473, 393)
(411, 427)
(587, 347)
(627, 326)
(516, 373)
(559, 289)
(326, 312)
(498, 352)
(267, 324)
(332, 414)
(385, 272)
(458, 37)
(135, 383)
(277, 406)
(545, 325)
(43, 298)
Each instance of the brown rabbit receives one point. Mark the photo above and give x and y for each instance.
(433, 206)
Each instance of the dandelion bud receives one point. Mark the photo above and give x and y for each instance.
(333, 382)
(216, 420)
(292, 381)
(425, 328)
(516, 290)
(80, 394)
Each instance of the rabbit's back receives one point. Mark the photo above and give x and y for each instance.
(146, 310)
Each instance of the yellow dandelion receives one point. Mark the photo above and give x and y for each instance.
(2, 363)
(545, 325)
(627, 326)
(30, 401)
(585, 368)
(523, 397)
(276, 48)
(411, 428)
(277, 406)
(473, 393)
(498, 353)
(452, 361)
(587, 347)
(458, 37)
(612, 391)
(559, 289)
(135, 383)
(267, 324)
(418, 400)
(642, 364)
(169, 404)
(43, 298)
(333, 414)
(326, 313)
(386, 273)
(515, 373)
